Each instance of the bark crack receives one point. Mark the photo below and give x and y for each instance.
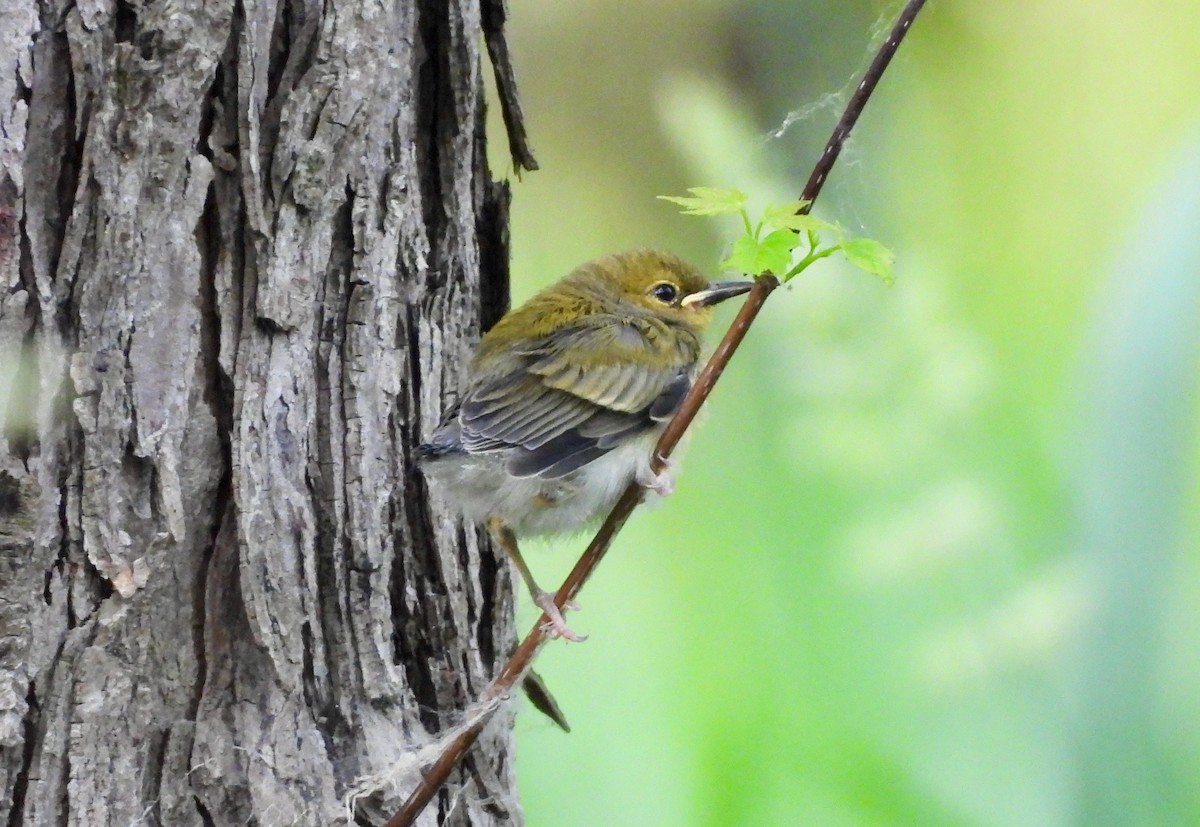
(433, 29)
(29, 728)
(124, 22)
(218, 396)
(217, 393)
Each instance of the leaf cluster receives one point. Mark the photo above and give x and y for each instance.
(786, 239)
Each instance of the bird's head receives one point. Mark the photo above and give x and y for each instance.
(639, 283)
(664, 285)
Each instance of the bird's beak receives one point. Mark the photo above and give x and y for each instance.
(716, 292)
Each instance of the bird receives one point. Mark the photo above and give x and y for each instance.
(566, 397)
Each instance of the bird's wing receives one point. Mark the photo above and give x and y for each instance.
(569, 398)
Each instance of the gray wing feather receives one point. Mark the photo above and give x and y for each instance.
(559, 416)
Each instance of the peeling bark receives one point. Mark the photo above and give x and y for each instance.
(244, 249)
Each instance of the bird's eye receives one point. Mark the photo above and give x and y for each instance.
(665, 292)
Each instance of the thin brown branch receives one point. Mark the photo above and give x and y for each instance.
(493, 16)
(858, 101)
(763, 286)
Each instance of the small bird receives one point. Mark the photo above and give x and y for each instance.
(567, 396)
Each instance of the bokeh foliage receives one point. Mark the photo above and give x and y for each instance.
(932, 560)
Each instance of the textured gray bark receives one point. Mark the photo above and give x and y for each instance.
(244, 247)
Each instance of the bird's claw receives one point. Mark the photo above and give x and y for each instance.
(555, 625)
(661, 483)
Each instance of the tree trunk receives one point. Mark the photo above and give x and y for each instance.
(244, 249)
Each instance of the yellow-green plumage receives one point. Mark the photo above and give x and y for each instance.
(613, 284)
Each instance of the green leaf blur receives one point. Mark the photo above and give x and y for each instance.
(932, 559)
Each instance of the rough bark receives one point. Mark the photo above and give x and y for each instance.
(244, 247)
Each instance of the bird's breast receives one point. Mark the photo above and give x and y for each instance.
(479, 486)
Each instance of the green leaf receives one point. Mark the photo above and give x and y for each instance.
(809, 223)
(787, 217)
(869, 255)
(775, 214)
(773, 253)
(709, 201)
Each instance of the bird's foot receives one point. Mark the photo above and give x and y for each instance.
(555, 625)
(662, 483)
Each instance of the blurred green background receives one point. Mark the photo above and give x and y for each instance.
(932, 560)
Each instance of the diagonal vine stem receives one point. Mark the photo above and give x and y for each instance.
(764, 284)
